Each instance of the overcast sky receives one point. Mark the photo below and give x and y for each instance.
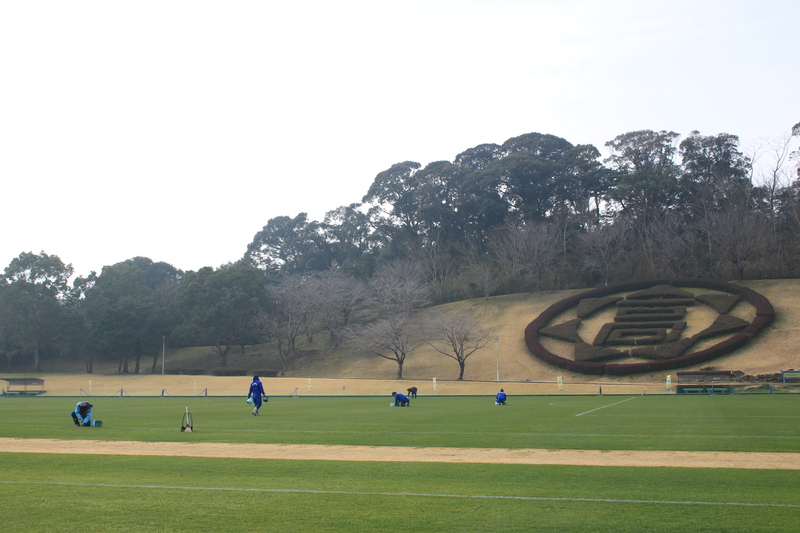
(176, 129)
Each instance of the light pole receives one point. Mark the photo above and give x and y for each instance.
(497, 347)
(163, 352)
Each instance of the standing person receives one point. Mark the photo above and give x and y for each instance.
(500, 399)
(412, 392)
(82, 415)
(256, 392)
(400, 400)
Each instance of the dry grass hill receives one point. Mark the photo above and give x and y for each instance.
(775, 350)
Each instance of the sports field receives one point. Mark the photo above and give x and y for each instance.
(541, 463)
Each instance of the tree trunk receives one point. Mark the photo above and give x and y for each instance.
(222, 353)
(36, 365)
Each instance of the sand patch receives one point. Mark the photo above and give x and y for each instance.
(771, 461)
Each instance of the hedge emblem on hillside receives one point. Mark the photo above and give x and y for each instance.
(646, 325)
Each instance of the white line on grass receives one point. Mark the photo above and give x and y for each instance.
(284, 432)
(414, 494)
(721, 417)
(609, 405)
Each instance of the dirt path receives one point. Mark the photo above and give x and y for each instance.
(777, 461)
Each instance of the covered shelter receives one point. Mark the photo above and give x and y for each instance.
(705, 382)
(20, 386)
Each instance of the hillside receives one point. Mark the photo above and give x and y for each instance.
(773, 351)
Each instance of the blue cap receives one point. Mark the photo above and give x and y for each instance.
(255, 377)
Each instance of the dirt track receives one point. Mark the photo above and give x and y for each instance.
(776, 461)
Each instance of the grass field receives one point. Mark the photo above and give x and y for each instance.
(77, 492)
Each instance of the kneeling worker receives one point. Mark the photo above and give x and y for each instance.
(400, 400)
(82, 415)
(500, 399)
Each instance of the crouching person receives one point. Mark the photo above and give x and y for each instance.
(400, 400)
(82, 415)
(500, 399)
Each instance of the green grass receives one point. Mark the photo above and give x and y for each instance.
(708, 423)
(51, 492)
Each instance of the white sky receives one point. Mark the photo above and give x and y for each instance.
(176, 129)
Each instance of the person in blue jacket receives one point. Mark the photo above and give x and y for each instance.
(500, 399)
(400, 400)
(256, 392)
(82, 415)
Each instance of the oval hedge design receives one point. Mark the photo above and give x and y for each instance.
(765, 313)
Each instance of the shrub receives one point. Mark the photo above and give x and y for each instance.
(765, 313)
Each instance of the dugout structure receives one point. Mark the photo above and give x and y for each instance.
(20, 386)
(790, 374)
(705, 382)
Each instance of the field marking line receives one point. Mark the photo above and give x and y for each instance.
(319, 452)
(609, 405)
(210, 431)
(412, 494)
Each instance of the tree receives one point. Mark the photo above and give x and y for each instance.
(398, 287)
(642, 150)
(288, 319)
(393, 191)
(290, 245)
(604, 246)
(646, 185)
(122, 312)
(795, 156)
(479, 157)
(480, 278)
(528, 173)
(673, 243)
(348, 232)
(584, 184)
(221, 306)
(458, 336)
(768, 164)
(715, 173)
(31, 303)
(647, 174)
(335, 298)
(525, 252)
(392, 338)
(742, 237)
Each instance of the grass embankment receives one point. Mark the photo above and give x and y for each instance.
(773, 351)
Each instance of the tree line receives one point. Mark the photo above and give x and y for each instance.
(535, 213)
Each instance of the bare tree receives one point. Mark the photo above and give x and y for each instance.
(604, 247)
(795, 156)
(336, 298)
(399, 287)
(392, 338)
(742, 237)
(526, 251)
(289, 318)
(480, 278)
(457, 336)
(771, 171)
(672, 243)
